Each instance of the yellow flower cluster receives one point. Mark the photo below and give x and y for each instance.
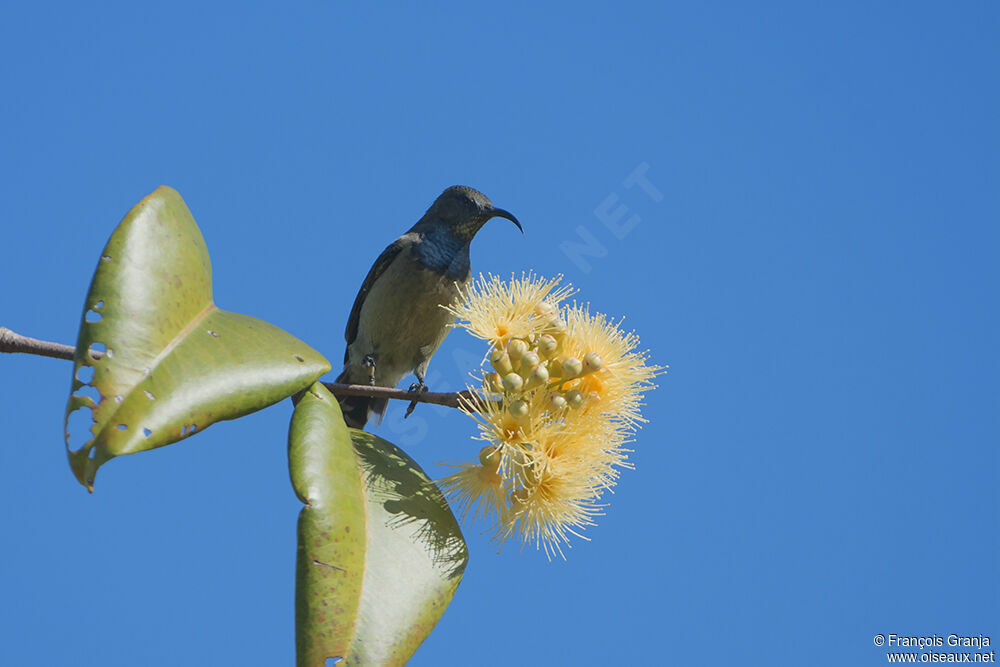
(557, 405)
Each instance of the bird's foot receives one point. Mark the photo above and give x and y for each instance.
(369, 363)
(415, 388)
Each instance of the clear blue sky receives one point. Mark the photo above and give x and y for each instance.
(820, 464)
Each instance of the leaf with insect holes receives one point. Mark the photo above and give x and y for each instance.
(380, 553)
(161, 359)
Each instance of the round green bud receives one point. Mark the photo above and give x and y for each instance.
(513, 382)
(500, 362)
(555, 368)
(528, 363)
(490, 457)
(538, 377)
(547, 346)
(575, 398)
(592, 362)
(516, 348)
(557, 402)
(571, 367)
(519, 409)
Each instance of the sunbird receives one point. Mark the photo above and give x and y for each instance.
(398, 322)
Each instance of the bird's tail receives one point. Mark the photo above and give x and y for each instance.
(356, 409)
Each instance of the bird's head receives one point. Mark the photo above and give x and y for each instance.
(464, 211)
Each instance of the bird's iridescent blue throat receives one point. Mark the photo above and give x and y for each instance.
(446, 252)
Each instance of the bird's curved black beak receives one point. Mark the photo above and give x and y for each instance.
(500, 213)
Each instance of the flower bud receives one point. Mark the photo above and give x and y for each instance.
(538, 377)
(547, 346)
(500, 362)
(555, 368)
(557, 402)
(555, 327)
(515, 348)
(528, 363)
(493, 382)
(513, 382)
(592, 362)
(545, 309)
(518, 498)
(574, 398)
(490, 457)
(530, 476)
(571, 367)
(516, 457)
(519, 409)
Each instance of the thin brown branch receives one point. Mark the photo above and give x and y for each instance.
(12, 342)
(15, 342)
(448, 399)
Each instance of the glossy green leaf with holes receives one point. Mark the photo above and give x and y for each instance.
(380, 553)
(164, 359)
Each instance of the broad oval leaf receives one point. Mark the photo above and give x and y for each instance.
(380, 554)
(170, 362)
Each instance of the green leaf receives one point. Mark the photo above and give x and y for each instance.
(380, 554)
(172, 363)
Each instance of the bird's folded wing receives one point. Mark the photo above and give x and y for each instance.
(378, 268)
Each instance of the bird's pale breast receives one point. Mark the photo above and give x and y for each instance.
(402, 322)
